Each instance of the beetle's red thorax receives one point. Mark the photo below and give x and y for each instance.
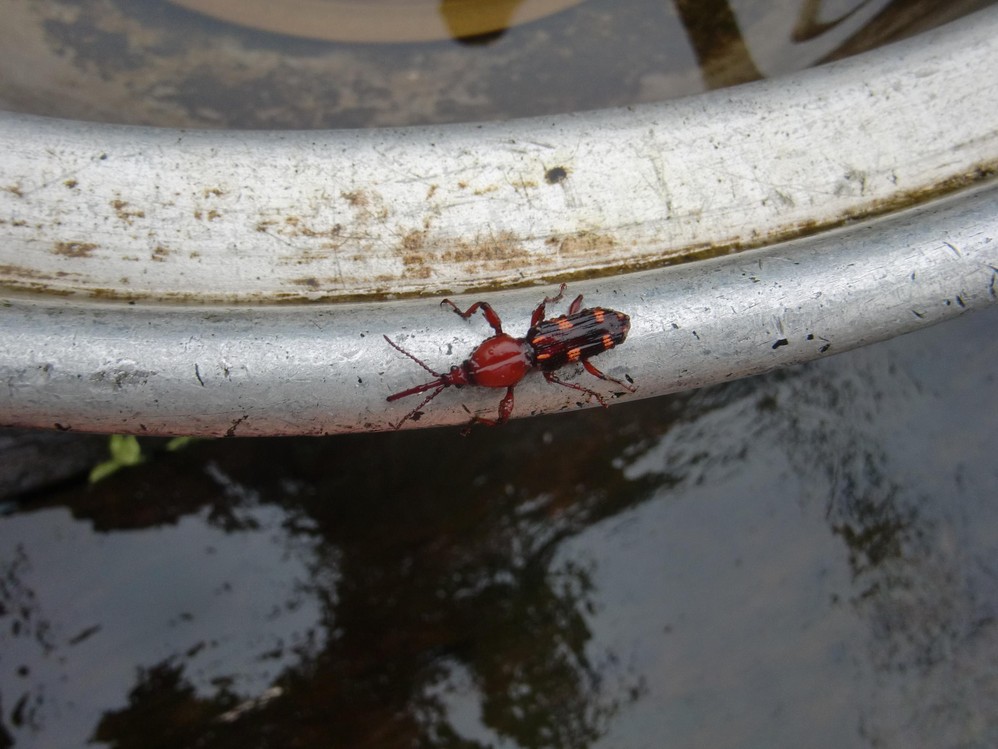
(499, 362)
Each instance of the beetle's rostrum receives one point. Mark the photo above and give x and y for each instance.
(501, 361)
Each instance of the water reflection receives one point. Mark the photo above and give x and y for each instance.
(807, 558)
(245, 65)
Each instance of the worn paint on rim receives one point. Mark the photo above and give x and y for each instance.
(238, 217)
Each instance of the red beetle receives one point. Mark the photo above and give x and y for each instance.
(502, 360)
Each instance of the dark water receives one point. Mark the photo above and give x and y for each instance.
(154, 62)
(808, 558)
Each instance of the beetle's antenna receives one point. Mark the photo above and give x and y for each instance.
(403, 351)
(418, 389)
(436, 385)
(425, 400)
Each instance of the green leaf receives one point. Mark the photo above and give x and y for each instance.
(103, 470)
(125, 449)
(178, 443)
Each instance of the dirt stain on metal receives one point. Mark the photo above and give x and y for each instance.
(502, 251)
(556, 175)
(584, 244)
(126, 214)
(74, 249)
(121, 375)
(414, 257)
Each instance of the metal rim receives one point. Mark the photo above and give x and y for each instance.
(322, 369)
(425, 210)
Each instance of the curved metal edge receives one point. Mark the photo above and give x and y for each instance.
(326, 369)
(239, 217)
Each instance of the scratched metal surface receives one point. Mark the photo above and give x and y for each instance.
(231, 217)
(129, 257)
(320, 369)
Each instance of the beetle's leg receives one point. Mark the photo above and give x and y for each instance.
(591, 369)
(553, 378)
(505, 411)
(576, 305)
(491, 316)
(505, 406)
(539, 311)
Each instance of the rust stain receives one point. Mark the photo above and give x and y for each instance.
(124, 213)
(213, 192)
(74, 249)
(414, 257)
(502, 251)
(71, 183)
(15, 190)
(356, 198)
(17, 271)
(368, 205)
(422, 272)
(414, 241)
(159, 254)
(305, 257)
(298, 228)
(293, 228)
(586, 244)
(496, 252)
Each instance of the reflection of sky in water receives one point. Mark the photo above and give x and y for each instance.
(808, 558)
(153, 62)
(720, 600)
(807, 31)
(774, 630)
(732, 599)
(226, 606)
